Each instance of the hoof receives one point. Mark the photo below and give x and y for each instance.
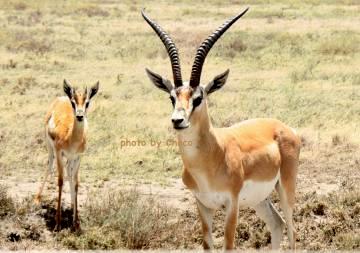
(37, 200)
(57, 228)
(76, 228)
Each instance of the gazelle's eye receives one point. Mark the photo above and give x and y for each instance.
(197, 101)
(172, 100)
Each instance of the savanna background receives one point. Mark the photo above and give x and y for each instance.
(297, 61)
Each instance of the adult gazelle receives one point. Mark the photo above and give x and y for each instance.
(238, 166)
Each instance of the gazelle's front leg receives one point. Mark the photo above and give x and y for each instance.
(70, 169)
(206, 217)
(74, 185)
(60, 168)
(232, 210)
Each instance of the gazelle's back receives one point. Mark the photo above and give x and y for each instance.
(254, 134)
(59, 120)
(262, 145)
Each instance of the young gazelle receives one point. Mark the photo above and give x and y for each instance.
(234, 166)
(65, 130)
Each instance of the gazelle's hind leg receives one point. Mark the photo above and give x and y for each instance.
(287, 208)
(50, 169)
(289, 147)
(267, 212)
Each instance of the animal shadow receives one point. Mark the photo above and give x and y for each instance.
(49, 216)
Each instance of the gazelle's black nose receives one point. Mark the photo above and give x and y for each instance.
(177, 121)
(80, 118)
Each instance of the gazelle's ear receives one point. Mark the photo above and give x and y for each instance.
(159, 81)
(69, 91)
(217, 82)
(94, 89)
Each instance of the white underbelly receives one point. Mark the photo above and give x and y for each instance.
(253, 192)
(213, 200)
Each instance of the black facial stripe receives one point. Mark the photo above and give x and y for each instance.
(172, 100)
(73, 104)
(197, 101)
(87, 104)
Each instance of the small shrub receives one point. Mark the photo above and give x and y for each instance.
(304, 73)
(238, 45)
(93, 11)
(337, 140)
(339, 44)
(232, 47)
(347, 241)
(34, 18)
(7, 205)
(136, 220)
(23, 84)
(20, 6)
(10, 65)
(25, 42)
(319, 209)
(355, 79)
(124, 219)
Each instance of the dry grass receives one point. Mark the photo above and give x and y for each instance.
(128, 219)
(93, 11)
(121, 219)
(7, 205)
(340, 43)
(332, 220)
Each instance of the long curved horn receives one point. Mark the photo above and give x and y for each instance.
(205, 47)
(170, 47)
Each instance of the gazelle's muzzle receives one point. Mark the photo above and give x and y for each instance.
(179, 119)
(80, 114)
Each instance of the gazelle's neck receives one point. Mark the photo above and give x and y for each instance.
(79, 129)
(199, 139)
